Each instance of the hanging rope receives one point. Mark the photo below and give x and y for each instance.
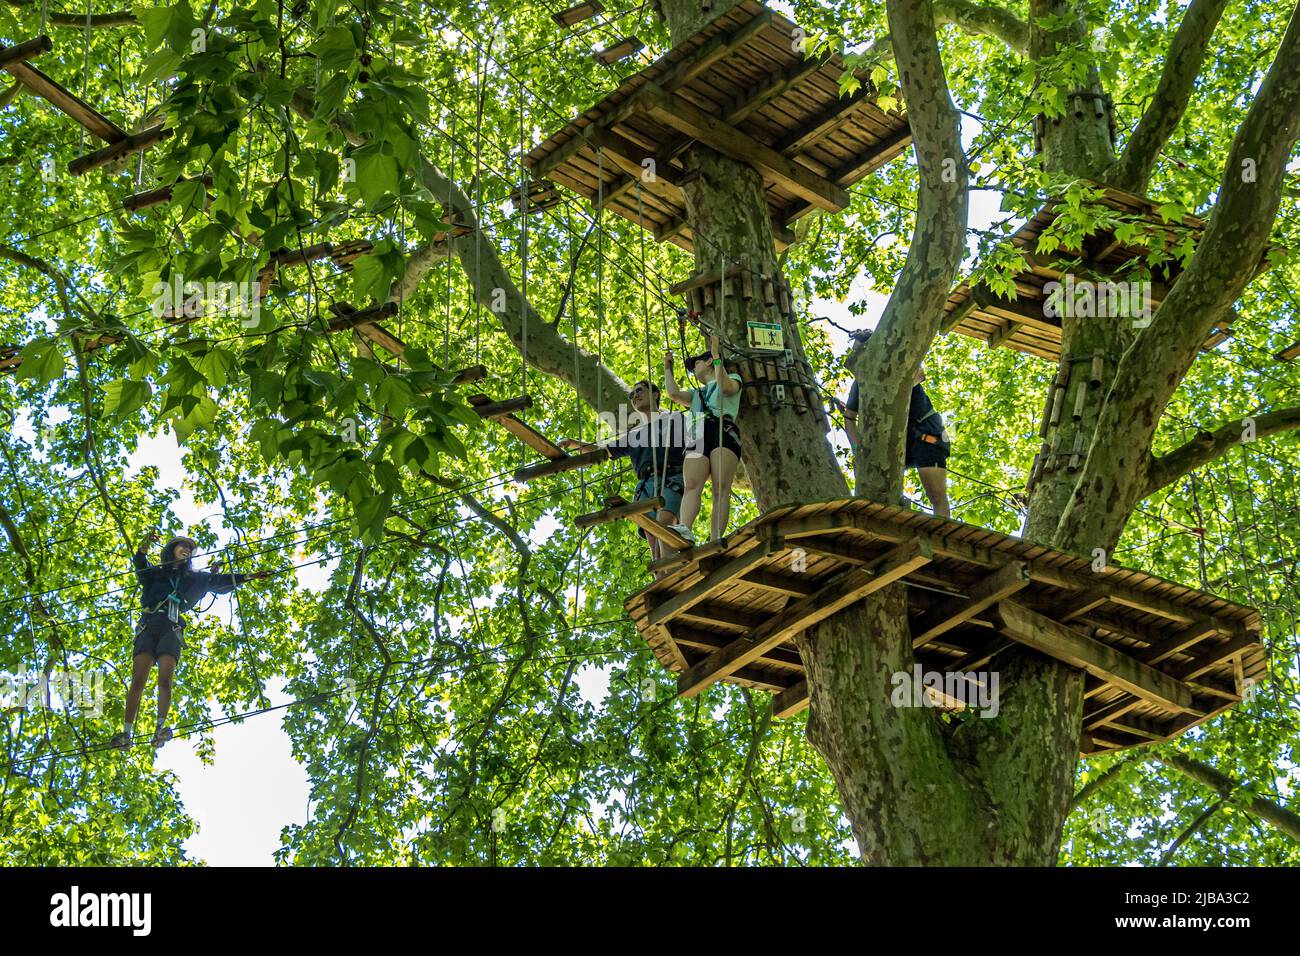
(523, 257)
(600, 272)
(478, 204)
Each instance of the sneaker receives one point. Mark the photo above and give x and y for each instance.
(163, 735)
(685, 532)
(121, 741)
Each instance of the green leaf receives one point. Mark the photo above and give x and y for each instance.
(42, 360)
(123, 397)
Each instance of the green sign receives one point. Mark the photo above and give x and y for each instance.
(766, 335)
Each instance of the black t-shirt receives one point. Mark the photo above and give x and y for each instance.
(921, 416)
(159, 582)
(648, 445)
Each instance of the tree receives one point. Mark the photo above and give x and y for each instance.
(319, 123)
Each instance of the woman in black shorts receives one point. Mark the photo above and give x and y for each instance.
(716, 454)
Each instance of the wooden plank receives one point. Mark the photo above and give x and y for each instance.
(791, 700)
(621, 50)
(702, 279)
(843, 589)
(618, 509)
(660, 531)
(484, 407)
(557, 466)
(711, 641)
(943, 617)
(775, 85)
(779, 583)
(379, 335)
(578, 13)
(1069, 646)
(154, 197)
(713, 132)
(733, 568)
(61, 99)
(117, 150)
(1288, 353)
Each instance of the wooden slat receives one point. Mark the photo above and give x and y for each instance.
(798, 139)
(714, 50)
(578, 13)
(841, 591)
(1069, 646)
(621, 50)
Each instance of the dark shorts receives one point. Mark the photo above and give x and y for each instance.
(671, 492)
(155, 635)
(923, 454)
(717, 433)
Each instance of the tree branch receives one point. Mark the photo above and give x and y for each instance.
(1207, 446)
(978, 18)
(1202, 818)
(1169, 102)
(122, 18)
(542, 346)
(890, 359)
(1225, 786)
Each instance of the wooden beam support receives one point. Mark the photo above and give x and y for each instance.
(616, 511)
(1102, 661)
(946, 615)
(843, 589)
(711, 641)
(791, 700)
(22, 52)
(715, 133)
(732, 568)
(1216, 655)
(1176, 643)
(115, 151)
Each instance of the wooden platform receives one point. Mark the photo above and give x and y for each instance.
(1161, 657)
(1022, 323)
(739, 87)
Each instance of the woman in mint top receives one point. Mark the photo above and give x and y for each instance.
(716, 453)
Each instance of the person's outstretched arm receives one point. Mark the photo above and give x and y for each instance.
(140, 560)
(670, 383)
